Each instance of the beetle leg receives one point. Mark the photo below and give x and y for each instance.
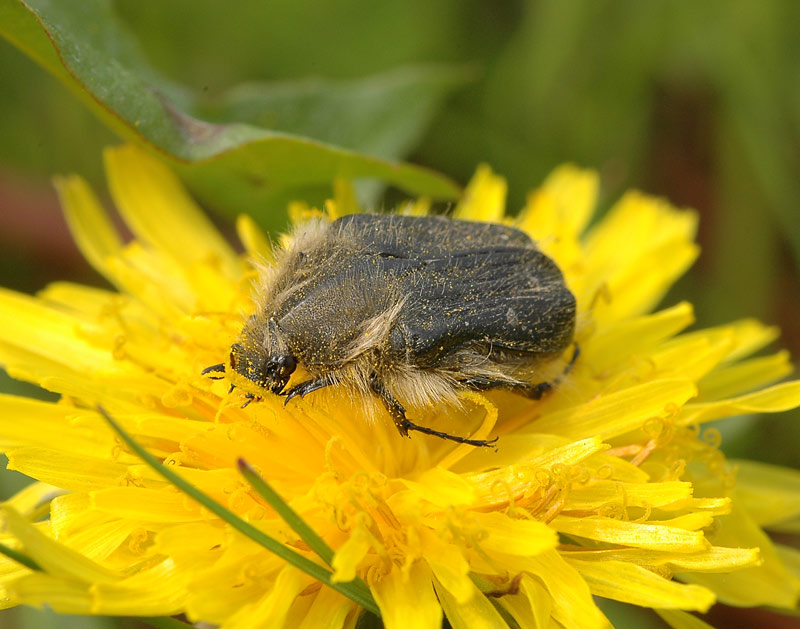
(403, 424)
(250, 398)
(304, 388)
(575, 354)
(532, 391)
(215, 369)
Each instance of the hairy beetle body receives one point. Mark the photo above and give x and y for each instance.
(407, 308)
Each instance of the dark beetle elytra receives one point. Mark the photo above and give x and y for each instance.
(407, 308)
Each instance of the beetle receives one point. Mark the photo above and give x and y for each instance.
(406, 308)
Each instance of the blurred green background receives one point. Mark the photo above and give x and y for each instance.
(698, 102)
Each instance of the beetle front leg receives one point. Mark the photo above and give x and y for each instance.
(304, 388)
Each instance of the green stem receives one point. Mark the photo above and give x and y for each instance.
(289, 515)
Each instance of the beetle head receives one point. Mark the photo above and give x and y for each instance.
(268, 372)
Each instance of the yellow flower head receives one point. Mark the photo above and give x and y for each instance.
(607, 486)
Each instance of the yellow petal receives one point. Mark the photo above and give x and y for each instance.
(328, 611)
(255, 242)
(533, 605)
(344, 196)
(775, 399)
(790, 558)
(767, 584)
(744, 376)
(573, 605)
(55, 558)
(690, 358)
(595, 494)
(564, 203)
(187, 539)
(98, 540)
(475, 612)
(687, 521)
(66, 470)
(629, 583)
(678, 619)
(771, 494)
(35, 423)
(51, 334)
(639, 335)
(61, 595)
(556, 214)
(509, 535)
(521, 447)
(449, 567)
(349, 555)
(160, 212)
(635, 289)
(32, 499)
(484, 198)
(498, 485)
(440, 487)
(617, 413)
(417, 207)
(90, 226)
(146, 505)
(241, 575)
(407, 599)
(715, 559)
(637, 251)
(749, 336)
(631, 533)
(640, 222)
(156, 591)
(272, 610)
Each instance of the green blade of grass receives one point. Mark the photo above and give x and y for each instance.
(356, 592)
(19, 557)
(282, 508)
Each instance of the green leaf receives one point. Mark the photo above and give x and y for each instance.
(317, 130)
(355, 590)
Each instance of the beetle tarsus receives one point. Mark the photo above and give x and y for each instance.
(407, 425)
(220, 368)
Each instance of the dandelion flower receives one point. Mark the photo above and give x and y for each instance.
(606, 487)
